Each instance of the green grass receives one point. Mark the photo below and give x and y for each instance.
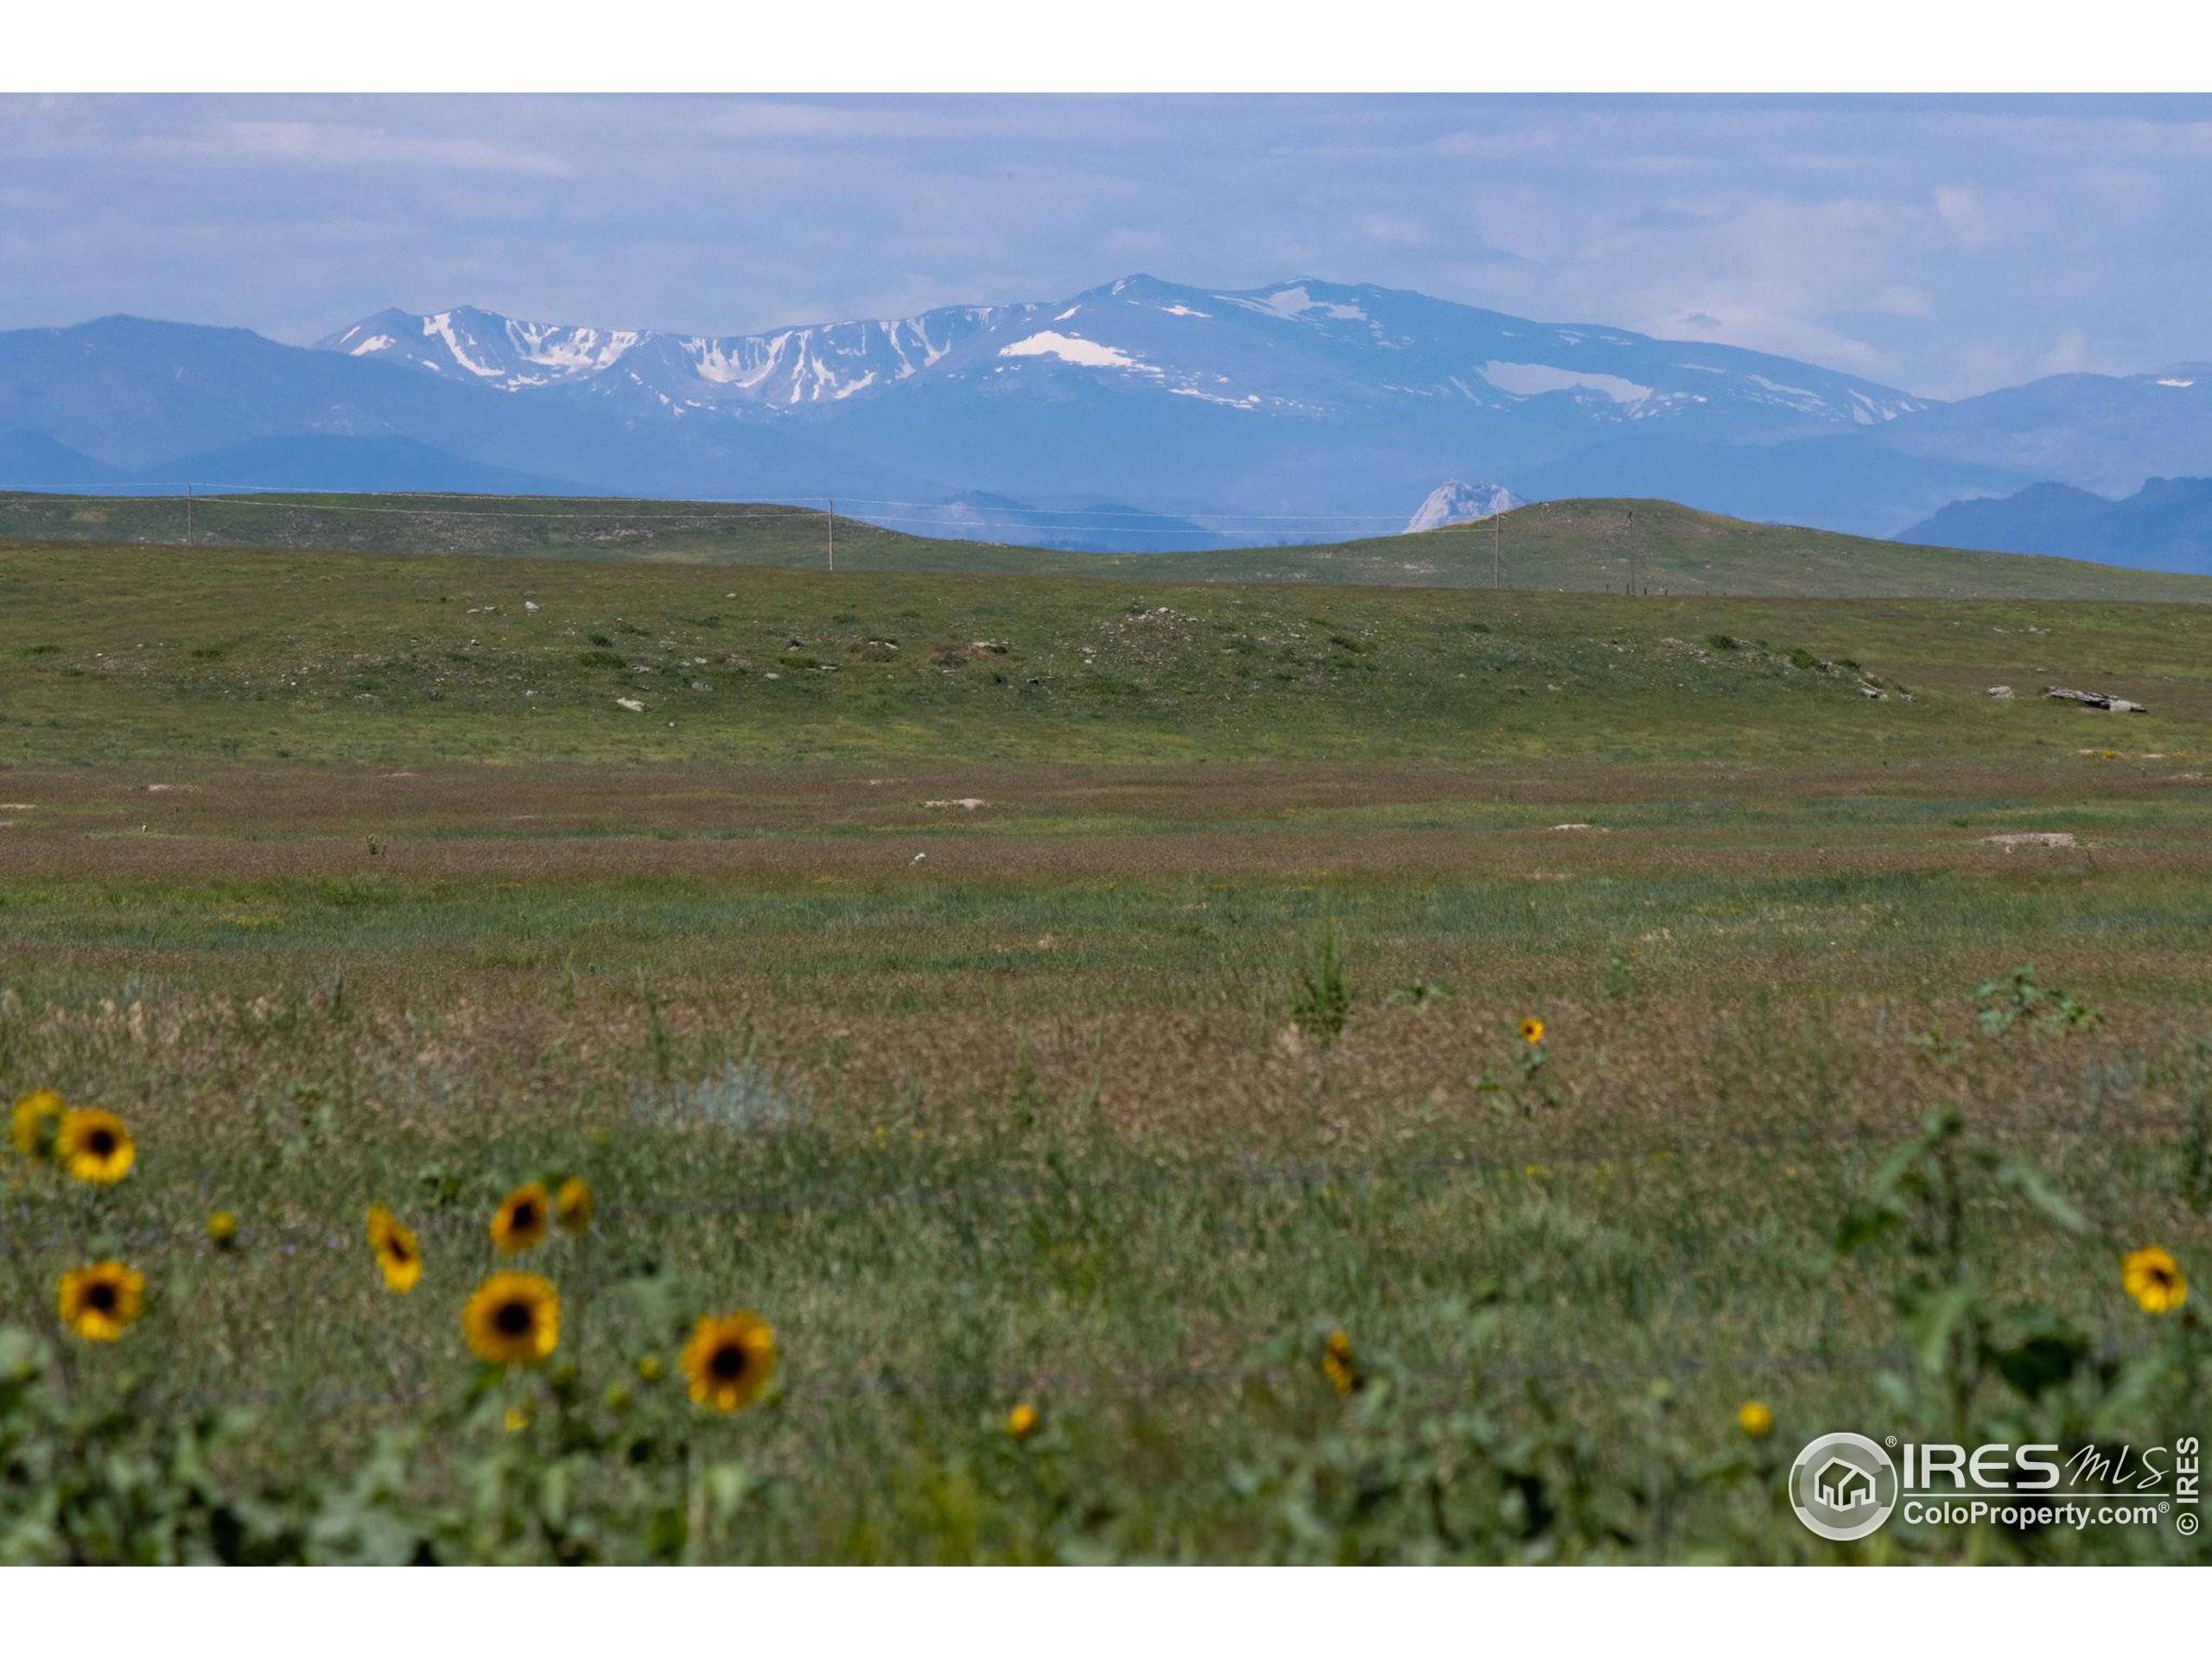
(1034, 1121)
(142, 653)
(1591, 546)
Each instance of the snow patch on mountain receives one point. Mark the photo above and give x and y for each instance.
(1788, 392)
(1249, 401)
(1073, 348)
(441, 327)
(1533, 379)
(1455, 502)
(1296, 304)
(581, 350)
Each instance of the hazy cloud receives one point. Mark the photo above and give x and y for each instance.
(1946, 245)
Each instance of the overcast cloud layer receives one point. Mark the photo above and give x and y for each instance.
(1946, 247)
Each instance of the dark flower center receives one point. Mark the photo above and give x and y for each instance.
(397, 1250)
(101, 1298)
(100, 1143)
(513, 1319)
(525, 1218)
(728, 1362)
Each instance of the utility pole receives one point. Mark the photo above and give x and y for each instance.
(833, 536)
(1633, 562)
(187, 514)
(1496, 535)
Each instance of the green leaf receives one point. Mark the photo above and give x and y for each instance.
(2031, 1184)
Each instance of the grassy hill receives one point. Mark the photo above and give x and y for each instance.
(137, 652)
(1567, 546)
(1595, 546)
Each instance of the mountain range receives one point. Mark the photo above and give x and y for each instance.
(1300, 410)
(2165, 525)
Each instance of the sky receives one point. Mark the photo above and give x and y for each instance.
(1944, 246)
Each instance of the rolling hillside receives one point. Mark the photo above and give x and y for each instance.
(121, 653)
(1569, 546)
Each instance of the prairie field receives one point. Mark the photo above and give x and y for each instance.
(1381, 1074)
(1579, 546)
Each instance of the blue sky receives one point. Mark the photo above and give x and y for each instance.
(1946, 246)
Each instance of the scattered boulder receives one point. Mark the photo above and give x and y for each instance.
(966, 803)
(2002, 693)
(2103, 700)
(631, 704)
(2031, 838)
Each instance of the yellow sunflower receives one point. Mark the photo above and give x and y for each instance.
(519, 1222)
(1755, 1418)
(1021, 1422)
(729, 1359)
(1532, 1030)
(514, 1319)
(94, 1146)
(1337, 1364)
(2154, 1278)
(572, 1206)
(35, 1115)
(398, 1252)
(99, 1303)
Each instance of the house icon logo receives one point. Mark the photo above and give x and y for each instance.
(1843, 1486)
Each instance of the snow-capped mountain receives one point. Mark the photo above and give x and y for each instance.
(1302, 398)
(780, 369)
(1454, 503)
(1301, 348)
